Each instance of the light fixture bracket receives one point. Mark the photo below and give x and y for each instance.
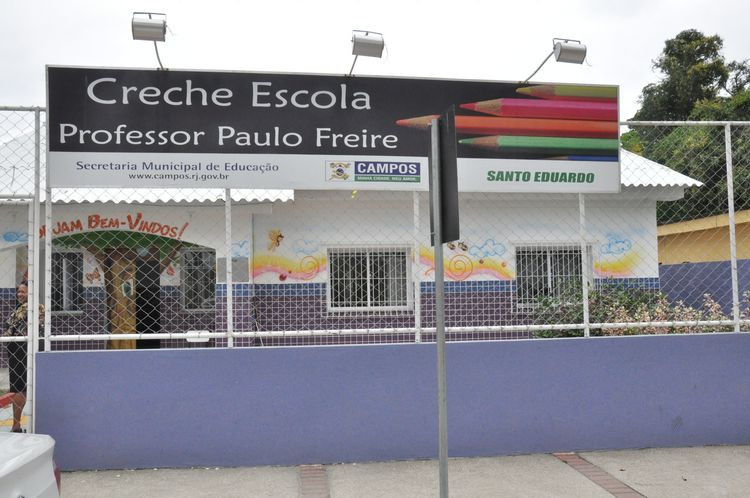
(146, 28)
(366, 44)
(564, 50)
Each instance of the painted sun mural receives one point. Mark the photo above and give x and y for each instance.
(462, 260)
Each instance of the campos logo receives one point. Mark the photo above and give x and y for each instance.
(338, 171)
(386, 169)
(372, 171)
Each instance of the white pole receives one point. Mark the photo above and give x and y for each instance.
(416, 274)
(584, 263)
(31, 316)
(47, 254)
(33, 269)
(732, 237)
(228, 243)
(439, 309)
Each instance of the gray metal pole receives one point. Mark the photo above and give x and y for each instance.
(47, 252)
(229, 278)
(584, 263)
(416, 271)
(732, 237)
(439, 309)
(33, 269)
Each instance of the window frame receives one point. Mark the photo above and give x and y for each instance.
(549, 248)
(66, 282)
(183, 274)
(405, 249)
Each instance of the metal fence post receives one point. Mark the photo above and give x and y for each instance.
(31, 319)
(33, 270)
(228, 265)
(415, 272)
(47, 253)
(584, 263)
(732, 235)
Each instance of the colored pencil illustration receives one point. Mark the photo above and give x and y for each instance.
(551, 109)
(571, 92)
(490, 125)
(547, 145)
(585, 158)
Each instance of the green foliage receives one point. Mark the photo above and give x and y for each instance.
(693, 70)
(107, 239)
(699, 85)
(733, 108)
(632, 142)
(618, 304)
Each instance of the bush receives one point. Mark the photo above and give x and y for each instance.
(618, 304)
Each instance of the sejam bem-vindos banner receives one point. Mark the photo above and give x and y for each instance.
(135, 128)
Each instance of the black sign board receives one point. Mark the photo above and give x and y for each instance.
(448, 184)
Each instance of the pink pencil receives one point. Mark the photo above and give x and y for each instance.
(552, 109)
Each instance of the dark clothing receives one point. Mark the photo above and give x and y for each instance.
(17, 351)
(17, 366)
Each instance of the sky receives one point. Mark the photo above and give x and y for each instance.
(467, 39)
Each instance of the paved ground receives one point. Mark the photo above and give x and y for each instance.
(666, 472)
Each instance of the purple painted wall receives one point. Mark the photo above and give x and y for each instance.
(688, 282)
(287, 406)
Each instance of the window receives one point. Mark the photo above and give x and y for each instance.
(67, 281)
(198, 279)
(547, 271)
(362, 279)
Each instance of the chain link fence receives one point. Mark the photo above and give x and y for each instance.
(20, 155)
(149, 268)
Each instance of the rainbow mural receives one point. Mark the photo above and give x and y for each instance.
(462, 266)
(618, 268)
(303, 269)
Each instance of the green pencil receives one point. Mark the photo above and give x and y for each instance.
(572, 92)
(545, 145)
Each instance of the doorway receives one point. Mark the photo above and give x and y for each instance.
(148, 299)
(133, 295)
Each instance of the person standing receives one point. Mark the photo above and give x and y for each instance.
(17, 325)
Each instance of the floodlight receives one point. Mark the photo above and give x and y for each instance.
(366, 44)
(571, 51)
(564, 50)
(146, 28)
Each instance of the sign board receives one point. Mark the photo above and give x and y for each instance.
(193, 129)
(448, 184)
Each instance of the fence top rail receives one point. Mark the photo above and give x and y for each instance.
(21, 108)
(685, 123)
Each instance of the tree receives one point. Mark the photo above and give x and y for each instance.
(693, 69)
(698, 85)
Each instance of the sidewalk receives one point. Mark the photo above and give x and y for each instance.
(663, 472)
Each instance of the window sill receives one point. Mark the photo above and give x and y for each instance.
(370, 311)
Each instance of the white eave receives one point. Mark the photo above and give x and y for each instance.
(637, 171)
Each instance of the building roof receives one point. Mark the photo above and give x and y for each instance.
(707, 223)
(637, 171)
(17, 179)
